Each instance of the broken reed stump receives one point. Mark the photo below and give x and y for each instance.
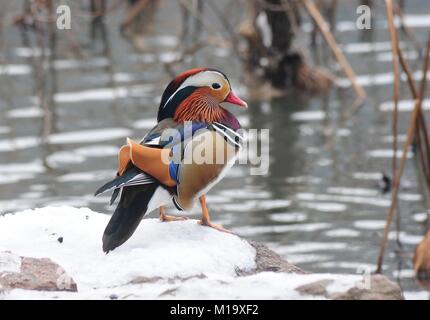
(135, 10)
(408, 31)
(340, 57)
(421, 261)
(277, 60)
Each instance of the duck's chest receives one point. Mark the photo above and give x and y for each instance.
(203, 161)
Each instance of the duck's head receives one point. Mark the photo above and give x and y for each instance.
(196, 95)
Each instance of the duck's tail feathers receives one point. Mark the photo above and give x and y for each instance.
(131, 177)
(133, 205)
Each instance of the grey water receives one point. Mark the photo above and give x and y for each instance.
(320, 205)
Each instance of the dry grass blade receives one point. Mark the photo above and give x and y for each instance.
(425, 70)
(422, 125)
(395, 61)
(408, 31)
(340, 57)
(408, 72)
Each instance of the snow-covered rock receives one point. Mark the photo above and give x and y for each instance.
(180, 260)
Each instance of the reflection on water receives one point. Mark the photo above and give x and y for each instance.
(320, 204)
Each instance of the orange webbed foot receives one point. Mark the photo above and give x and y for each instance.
(215, 226)
(168, 218)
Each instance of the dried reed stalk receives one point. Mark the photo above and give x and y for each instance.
(395, 61)
(408, 31)
(422, 125)
(340, 57)
(424, 150)
(410, 135)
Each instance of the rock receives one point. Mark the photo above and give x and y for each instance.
(43, 274)
(142, 279)
(380, 288)
(317, 288)
(268, 260)
(421, 261)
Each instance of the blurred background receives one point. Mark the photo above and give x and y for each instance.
(69, 98)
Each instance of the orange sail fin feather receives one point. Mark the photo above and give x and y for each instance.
(153, 161)
(123, 159)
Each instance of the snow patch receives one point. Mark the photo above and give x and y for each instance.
(9, 262)
(270, 286)
(168, 250)
(167, 253)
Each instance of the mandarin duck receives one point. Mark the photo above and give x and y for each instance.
(160, 170)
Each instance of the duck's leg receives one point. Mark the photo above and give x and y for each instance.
(166, 218)
(206, 221)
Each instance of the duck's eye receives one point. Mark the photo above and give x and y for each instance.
(216, 86)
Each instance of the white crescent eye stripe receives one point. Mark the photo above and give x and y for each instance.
(201, 79)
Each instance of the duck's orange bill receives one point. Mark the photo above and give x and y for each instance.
(234, 99)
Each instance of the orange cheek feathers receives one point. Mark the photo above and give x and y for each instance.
(219, 95)
(201, 105)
